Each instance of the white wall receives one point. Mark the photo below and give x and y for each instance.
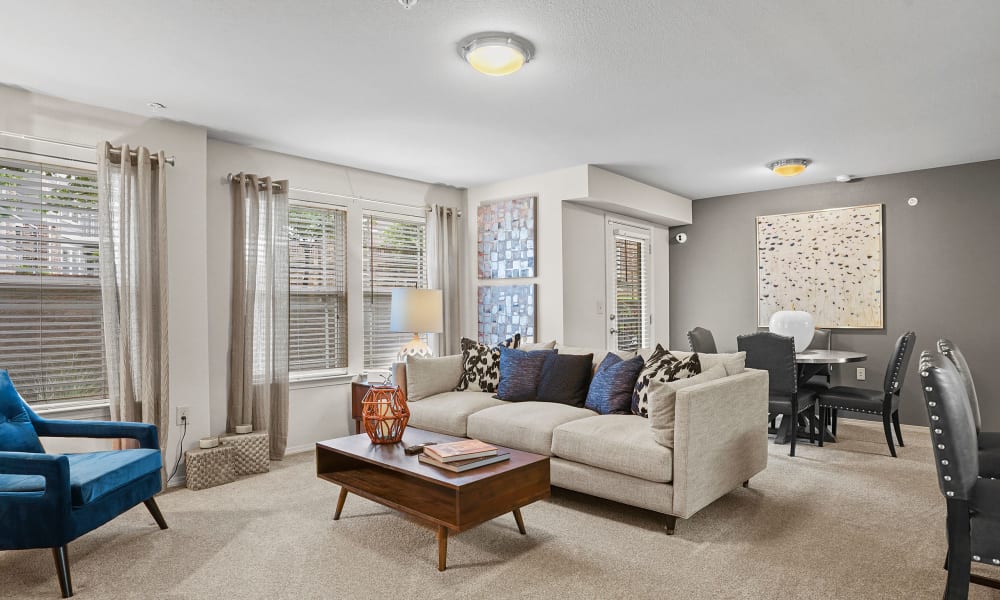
(199, 238)
(585, 311)
(43, 116)
(318, 410)
(569, 284)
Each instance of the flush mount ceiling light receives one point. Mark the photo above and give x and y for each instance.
(788, 167)
(496, 53)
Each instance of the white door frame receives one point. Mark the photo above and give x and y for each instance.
(617, 226)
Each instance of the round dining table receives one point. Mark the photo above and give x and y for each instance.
(810, 362)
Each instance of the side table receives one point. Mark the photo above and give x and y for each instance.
(358, 391)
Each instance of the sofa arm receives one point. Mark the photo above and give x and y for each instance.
(144, 433)
(720, 438)
(421, 378)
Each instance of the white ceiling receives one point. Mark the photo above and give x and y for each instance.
(690, 96)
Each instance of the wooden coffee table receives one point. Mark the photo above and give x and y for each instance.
(442, 499)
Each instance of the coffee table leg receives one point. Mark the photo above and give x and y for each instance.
(442, 548)
(340, 504)
(520, 521)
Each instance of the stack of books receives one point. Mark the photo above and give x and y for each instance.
(462, 456)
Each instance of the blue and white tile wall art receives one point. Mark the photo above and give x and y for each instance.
(826, 262)
(505, 310)
(506, 242)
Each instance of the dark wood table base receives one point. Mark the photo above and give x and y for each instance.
(448, 502)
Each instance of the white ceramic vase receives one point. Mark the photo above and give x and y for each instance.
(797, 324)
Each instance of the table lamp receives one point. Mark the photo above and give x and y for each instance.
(416, 311)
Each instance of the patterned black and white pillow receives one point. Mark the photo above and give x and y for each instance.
(481, 365)
(661, 366)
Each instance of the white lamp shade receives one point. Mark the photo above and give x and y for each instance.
(416, 311)
(796, 324)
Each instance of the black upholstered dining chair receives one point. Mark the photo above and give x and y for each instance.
(702, 341)
(822, 340)
(776, 354)
(884, 402)
(988, 441)
(973, 502)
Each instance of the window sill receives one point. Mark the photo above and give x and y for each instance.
(318, 379)
(83, 410)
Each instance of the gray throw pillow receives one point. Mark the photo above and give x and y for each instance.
(662, 397)
(429, 376)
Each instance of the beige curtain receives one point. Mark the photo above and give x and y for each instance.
(258, 360)
(442, 274)
(132, 222)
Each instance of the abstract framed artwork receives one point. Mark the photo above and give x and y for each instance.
(505, 310)
(506, 240)
(828, 263)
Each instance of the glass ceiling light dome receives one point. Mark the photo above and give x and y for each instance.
(788, 167)
(496, 53)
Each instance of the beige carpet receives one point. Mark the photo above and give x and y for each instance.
(844, 521)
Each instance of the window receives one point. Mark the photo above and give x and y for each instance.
(394, 255)
(50, 289)
(317, 311)
(629, 287)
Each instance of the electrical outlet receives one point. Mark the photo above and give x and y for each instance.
(182, 415)
(861, 373)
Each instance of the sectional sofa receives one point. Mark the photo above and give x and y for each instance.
(720, 438)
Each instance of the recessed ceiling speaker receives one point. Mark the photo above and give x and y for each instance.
(913, 201)
(681, 238)
(408, 4)
(844, 178)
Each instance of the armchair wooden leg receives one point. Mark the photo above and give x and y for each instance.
(61, 556)
(671, 524)
(746, 483)
(155, 511)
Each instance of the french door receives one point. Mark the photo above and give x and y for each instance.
(629, 258)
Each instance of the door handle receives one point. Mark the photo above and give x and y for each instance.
(613, 331)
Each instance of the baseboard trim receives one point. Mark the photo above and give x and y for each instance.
(300, 449)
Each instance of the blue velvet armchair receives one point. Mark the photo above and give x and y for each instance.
(49, 500)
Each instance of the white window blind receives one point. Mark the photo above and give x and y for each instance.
(50, 290)
(317, 270)
(394, 255)
(632, 317)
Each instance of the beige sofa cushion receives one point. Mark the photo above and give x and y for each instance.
(429, 376)
(523, 425)
(537, 346)
(734, 362)
(447, 413)
(662, 400)
(619, 443)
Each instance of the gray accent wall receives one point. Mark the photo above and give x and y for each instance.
(942, 271)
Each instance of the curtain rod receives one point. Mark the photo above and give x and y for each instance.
(230, 177)
(33, 138)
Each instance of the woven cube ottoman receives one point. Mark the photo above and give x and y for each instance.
(253, 451)
(209, 467)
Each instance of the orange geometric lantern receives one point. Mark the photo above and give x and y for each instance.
(384, 414)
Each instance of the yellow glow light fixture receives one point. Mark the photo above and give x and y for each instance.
(788, 167)
(496, 53)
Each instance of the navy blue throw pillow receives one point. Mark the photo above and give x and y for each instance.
(520, 372)
(565, 379)
(611, 389)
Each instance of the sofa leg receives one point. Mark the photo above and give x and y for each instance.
(155, 511)
(671, 524)
(61, 556)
